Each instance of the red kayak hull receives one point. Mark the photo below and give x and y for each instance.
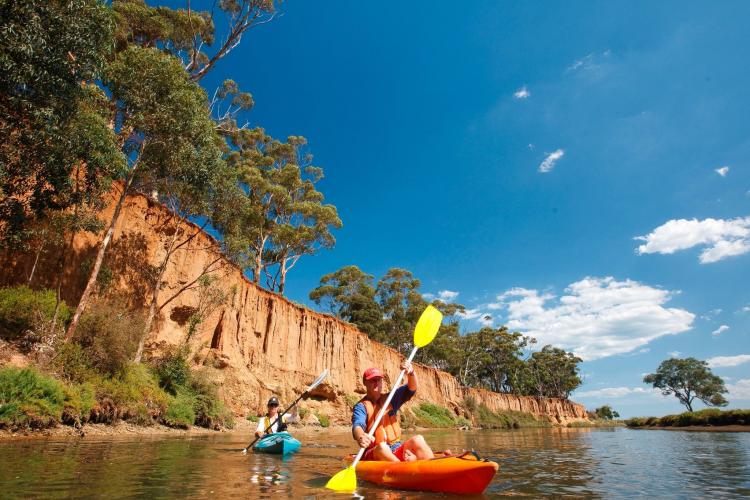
(463, 475)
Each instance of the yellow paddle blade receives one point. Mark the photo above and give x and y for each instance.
(345, 480)
(427, 326)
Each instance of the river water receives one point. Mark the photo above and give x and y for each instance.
(611, 463)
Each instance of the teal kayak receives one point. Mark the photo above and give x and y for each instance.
(278, 443)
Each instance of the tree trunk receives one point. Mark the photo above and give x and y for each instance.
(36, 259)
(83, 302)
(282, 280)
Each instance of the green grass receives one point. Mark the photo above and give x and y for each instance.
(253, 418)
(486, 418)
(596, 423)
(22, 308)
(707, 417)
(351, 400)
(323, 419)
(432, 415)
(29, 398)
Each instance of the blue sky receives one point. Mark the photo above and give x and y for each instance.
(513, 153)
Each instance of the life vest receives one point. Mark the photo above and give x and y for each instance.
(389, 428)
(280, 427)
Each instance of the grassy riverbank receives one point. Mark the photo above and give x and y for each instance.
(695, 419)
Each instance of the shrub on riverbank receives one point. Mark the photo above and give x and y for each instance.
(708, 417)
(29, 399)
(596, 423)
(23, 309)
(431, 415)
(488, 419)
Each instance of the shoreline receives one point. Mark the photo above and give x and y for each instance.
(696, 428)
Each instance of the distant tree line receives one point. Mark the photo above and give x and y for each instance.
(493, 358)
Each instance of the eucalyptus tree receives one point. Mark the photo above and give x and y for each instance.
(349, 294)
(165, 130)
(688, 379)
(56, 150)
(402, 303)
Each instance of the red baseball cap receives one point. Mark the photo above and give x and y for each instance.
(372, 373)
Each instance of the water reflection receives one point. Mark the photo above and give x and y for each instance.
(615, 463)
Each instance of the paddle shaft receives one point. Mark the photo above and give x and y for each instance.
(375, 424)
(277, 419)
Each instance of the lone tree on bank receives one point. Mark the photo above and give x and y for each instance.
(688, 379)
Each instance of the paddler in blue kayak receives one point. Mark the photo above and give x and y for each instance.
(387, 445)
(270, 417)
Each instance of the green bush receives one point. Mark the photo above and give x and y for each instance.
(79, 401)
(506, 419)
(134, 393)
(109, 334)
(470, 404)
(352, 400)
(173, 370)
(323, 419)
(209, 409)
(22, 309)
(253, 418)
(180, 412)
(431, 415)
(709, 416)
(29, 399)
(72, 363)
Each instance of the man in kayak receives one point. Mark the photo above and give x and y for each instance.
(387, 445)
(270, 417)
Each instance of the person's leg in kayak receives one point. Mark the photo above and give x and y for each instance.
(416, 448)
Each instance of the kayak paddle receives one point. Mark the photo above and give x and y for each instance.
(315, 384)
(426, 329)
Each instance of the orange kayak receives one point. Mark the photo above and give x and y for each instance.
(465, 474)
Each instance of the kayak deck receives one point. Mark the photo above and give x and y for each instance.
(278, 443)
(463, 474)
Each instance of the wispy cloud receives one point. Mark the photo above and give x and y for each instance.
(739, 390)
(720, 330)
(596, 317)
(722, 171)
(447, 295)
(674, 354)
(549, 161)
(613, 392)
(728, 361)
(722, 238)
(522, 93)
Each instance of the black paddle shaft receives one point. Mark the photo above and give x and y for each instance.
(277, 419)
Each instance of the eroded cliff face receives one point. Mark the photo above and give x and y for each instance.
(257, 343)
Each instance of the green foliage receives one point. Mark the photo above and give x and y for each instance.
(172, 370)
(108, 335)
(323, 419)
(29, 399)
(180, 412)
(688, 379)
(72, 363)
(349, 294)
(470, 404)
(352, 400)
(277, 215)
(486, 418)
(80, 399)
(707, 417)
(134, 393)
(606, 413)
(253, 418)
(49, 50)
(22, 309)
(431, 415)
(303, 412)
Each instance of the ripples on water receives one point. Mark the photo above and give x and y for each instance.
(612, 463)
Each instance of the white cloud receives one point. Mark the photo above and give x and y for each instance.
(722, 238)
(740, 390)
(720, 330)
(728, 361)
(531, 147)
(447, 295)
(584, 62)
(722, 171)
(428, 296)
(596, 317)
(674, 354)
(470, 314)
(549, 161)
(612, 392)
(746, 309)
(522, 93)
